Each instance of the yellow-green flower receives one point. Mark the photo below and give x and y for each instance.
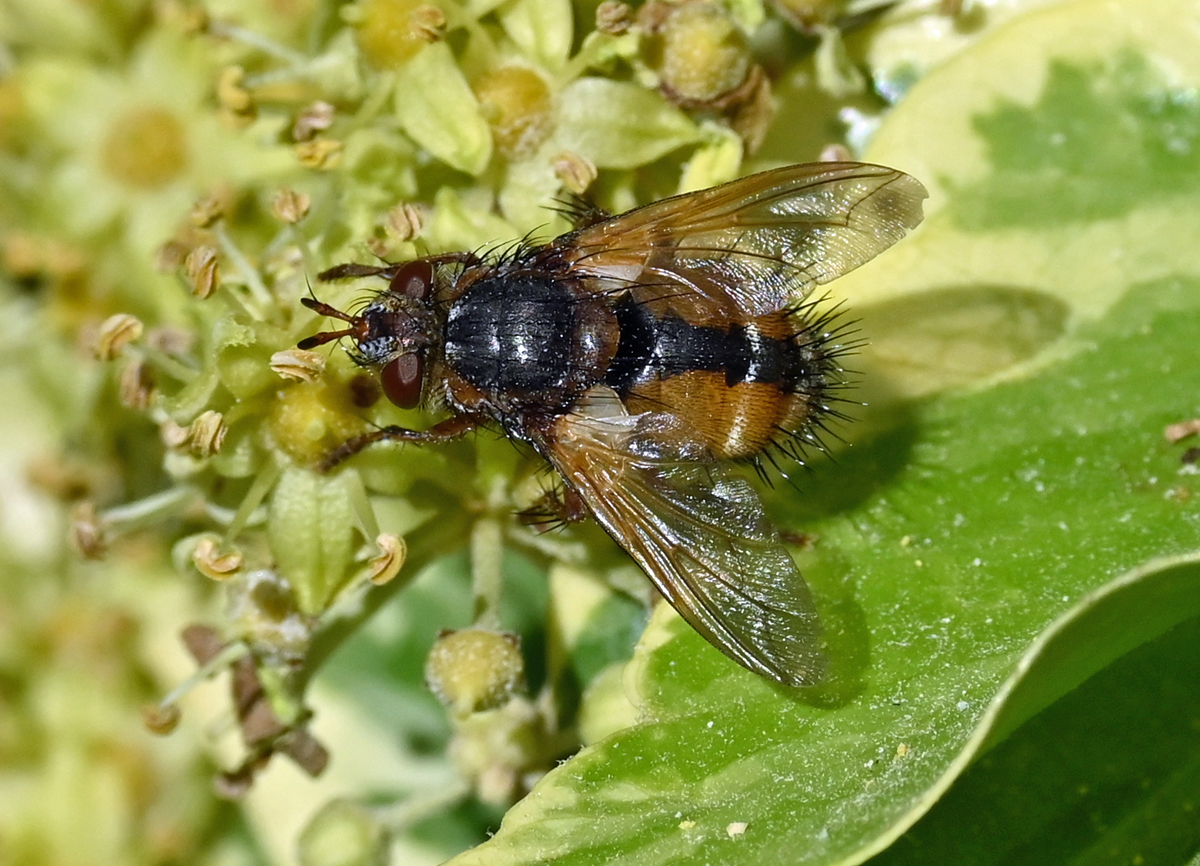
(136, 148)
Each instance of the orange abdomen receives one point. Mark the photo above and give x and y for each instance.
(734, 421)
(738, 386)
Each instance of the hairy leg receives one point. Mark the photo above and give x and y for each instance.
(451, 428)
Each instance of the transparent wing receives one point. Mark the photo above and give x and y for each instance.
(697, 530)
(763, 241)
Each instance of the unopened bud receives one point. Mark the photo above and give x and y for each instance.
(392, 553)
(403, 222)
(160, 719)
(236, 103)
(87, 534)
(207, 210)
(298, 364)
(613, 17)
(343, 832)
(317, 117)
(320, 154)
(213, 564)
(203, 271)
(135, 386)
(207, 433)
(290, 206)
(474, 669)
(428, 23)
(574, 171)
(116, 333)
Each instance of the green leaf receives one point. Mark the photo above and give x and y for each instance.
(1009, 520)
(541, 28)
(1095, 779)
(620, 125)
(1088, 123)
(436, 108)
(311, 533)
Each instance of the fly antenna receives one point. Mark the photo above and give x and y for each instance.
(322, 338)
(326, 310)
(327, 336)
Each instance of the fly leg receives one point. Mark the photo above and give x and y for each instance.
(388, 270)
(557, 507)
(451, 428)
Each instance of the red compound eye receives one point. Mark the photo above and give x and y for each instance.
(401, 380)
(414, 280)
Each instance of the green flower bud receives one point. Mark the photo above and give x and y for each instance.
(145, 148)
(516, 103)
(473, 669)
(389, 32)
(343, 834)
(702, 54)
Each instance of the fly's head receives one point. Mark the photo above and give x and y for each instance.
(392, 333)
